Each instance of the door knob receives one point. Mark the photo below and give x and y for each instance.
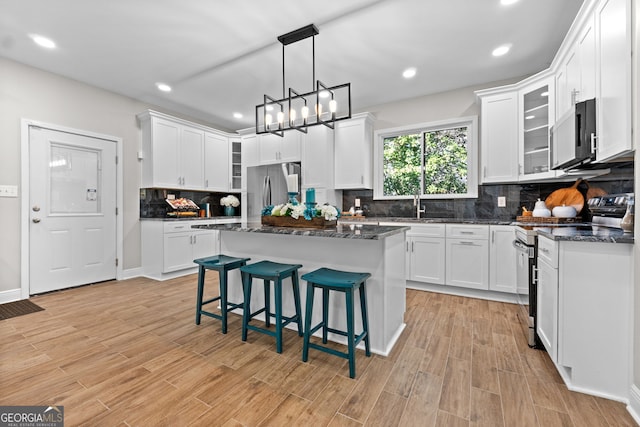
(36, 208)
(36, 220)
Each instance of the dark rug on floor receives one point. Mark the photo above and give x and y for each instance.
(18, 308)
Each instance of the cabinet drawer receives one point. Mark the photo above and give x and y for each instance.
(176, 227)
(548, 251)
(428, 230)
(467, 231)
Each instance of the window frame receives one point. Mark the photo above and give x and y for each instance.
(471, 122)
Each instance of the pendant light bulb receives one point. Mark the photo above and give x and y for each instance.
(292, 116)
(268, 119)
(280, 117)
(333, 106)
(305, 112)
(318, 110)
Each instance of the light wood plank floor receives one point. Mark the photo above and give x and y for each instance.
(129, 354)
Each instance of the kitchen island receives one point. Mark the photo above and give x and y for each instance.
(378, 250)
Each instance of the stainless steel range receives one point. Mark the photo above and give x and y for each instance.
(607, 213)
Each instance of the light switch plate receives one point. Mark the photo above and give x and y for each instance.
(8, 191)
(502, 201)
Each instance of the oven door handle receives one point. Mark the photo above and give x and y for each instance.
(529, 250)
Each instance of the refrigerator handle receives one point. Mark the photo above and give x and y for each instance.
(266, 191)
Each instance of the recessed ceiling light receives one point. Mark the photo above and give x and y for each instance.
(544, 94)
(530, 117)
(507, 2)
(163, 87)
(409, 73)
(501, 50)
(42, 41)
(237, 115)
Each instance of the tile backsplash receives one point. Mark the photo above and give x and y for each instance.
(485, 206)
(153, 204)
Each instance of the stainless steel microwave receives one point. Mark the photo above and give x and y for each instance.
(573, 137)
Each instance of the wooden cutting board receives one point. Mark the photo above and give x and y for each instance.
(566, 196)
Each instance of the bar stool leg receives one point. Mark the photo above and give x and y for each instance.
(223, 299)
(325, 314)
(307, 321)
(267, 302)
(296, 301)
(278, 295)
(246, 285)
(365, 317)
(201, 271)
(350, 334)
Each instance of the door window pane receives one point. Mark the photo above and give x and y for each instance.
(74, 180)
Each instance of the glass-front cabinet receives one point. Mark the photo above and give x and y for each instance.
(236, 165)
(536, 118)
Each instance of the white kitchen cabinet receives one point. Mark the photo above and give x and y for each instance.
(318, 158)
(502, 259)
(235, 146)
(172, 153)
(250, 156)
(536, 113)
(467, 256)
(278, 149)
(499, 137)
(613, 79)
(216, 162)
(547, 308)
(580, 306)
(354, 153)
(425, 247)
(169, 247)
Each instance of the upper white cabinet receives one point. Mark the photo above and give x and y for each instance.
(236, 164)
(216, 161)
(249, 143)
(278, 149)
(183, 155)
(317, 157)
(354, 152)
(613, 78)
(499, 137)
(172, 153)
(536, 114)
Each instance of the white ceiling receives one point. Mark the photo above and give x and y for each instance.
(220, 57)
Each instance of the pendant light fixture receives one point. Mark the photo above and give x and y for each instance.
(322, 105)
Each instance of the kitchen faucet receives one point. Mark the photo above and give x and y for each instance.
(416, 203)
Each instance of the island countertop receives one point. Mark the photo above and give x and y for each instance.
(340, 231)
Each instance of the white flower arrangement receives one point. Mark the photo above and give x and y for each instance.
(329, 212)
(230, 200)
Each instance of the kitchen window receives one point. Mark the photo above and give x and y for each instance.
(434, 160)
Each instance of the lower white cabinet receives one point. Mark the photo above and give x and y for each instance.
(169, 247)
(502, 259)
(467, 256)
(585, 313)
(180, 249)
(426, 254)
(547, 308)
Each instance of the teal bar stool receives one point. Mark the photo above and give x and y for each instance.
(222, 264)
(270, 272)
(340, 281)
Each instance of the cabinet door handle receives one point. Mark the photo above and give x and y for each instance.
(467, 232)
(411, 246)
(194, 239)
(179, 226)
(361, 179)
(535, 275)
(493, 236)
(206, 183)
(593, 142)
(484, 172)
(544, 250)
(407, 246)
(466, 243)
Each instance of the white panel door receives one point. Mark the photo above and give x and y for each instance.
(72, 235)
(216, 162)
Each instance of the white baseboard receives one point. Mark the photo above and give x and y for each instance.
(463, 292)
(10, 295)
(130, 273)
(634, 403)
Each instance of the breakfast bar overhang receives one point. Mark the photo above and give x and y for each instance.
(378, 250)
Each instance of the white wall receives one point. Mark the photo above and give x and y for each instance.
(30, 93)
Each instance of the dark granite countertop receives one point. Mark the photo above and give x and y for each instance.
(426, 220)
(589, 233)
(193, 218)
(341, 231)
